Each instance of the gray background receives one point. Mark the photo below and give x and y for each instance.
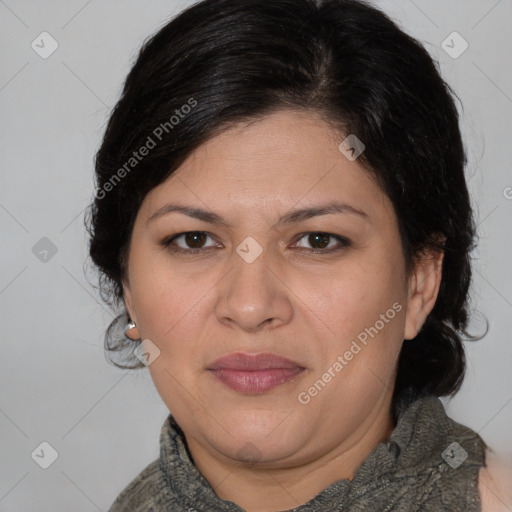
(56, 385)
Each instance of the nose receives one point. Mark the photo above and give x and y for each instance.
(254, 295)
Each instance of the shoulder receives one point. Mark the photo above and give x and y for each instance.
(495, 484)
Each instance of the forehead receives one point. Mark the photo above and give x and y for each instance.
(283, 160)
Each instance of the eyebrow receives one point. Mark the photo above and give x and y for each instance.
(291, 217)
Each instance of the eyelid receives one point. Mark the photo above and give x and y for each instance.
(342, 241)
(168, 241)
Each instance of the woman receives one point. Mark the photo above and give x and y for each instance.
(282, 214)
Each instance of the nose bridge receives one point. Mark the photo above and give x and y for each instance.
(252, 294)
(252, 275)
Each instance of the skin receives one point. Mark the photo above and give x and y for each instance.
(304, 306)
(495, 484)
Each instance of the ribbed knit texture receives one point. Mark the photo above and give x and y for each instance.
(406, 474)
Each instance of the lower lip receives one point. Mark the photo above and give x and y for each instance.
(256, 381)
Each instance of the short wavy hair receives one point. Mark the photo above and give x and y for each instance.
(238, 61)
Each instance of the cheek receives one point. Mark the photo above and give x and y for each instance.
(357, 296)
(173, 311)
(162, 292)
(365, 309)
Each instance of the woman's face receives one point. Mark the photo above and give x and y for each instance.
(339, 315)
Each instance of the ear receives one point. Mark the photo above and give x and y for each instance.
(424, 285)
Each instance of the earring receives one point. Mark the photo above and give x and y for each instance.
(130, 325)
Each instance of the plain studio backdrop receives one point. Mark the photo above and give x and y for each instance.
(102, 424)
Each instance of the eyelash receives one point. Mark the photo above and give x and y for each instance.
(167, 243)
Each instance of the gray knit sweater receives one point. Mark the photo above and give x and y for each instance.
(429, 464)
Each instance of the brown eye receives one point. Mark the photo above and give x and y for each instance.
(319, 238)
(193, 240)
(320, 241)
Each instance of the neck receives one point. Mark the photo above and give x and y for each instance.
(285, 488)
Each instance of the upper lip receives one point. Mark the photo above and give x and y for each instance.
(243, 361)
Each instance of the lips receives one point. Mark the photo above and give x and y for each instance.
(254, 373)
(241, 361)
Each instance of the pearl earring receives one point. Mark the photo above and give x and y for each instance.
(130, 325)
